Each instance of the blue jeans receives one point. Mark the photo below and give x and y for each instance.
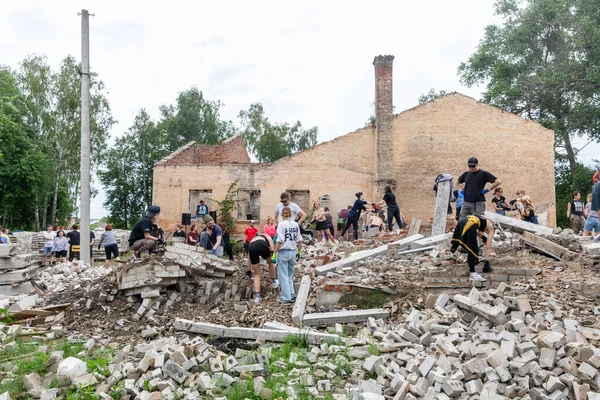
(501, 212)
(286, 259)
(592, 224)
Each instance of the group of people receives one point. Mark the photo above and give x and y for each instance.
(57, 244)
(583, 217)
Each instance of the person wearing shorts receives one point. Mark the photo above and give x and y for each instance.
(49, 237)
(261, 246)
(111, 247)
(591, 223)
(60, 246)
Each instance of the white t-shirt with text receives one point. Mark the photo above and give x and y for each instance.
(293, 207)
(288, 234)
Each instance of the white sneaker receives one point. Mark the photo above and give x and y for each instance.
(275, 284)
(257, 298)
(476, 277)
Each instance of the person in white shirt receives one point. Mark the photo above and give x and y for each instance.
(288, 249)
(294, 209)
(49, 237)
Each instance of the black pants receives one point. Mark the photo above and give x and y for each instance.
(352, 221)
(73, 254)
(467, 239)
(229, 251)
(394, 212)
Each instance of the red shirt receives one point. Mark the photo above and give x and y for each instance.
(194, 236)
(250, 233)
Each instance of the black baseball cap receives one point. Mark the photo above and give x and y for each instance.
(473, 160)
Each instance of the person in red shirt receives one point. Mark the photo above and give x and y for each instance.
(192, 236)
(250, 232)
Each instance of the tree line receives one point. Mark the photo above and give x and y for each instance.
(40, 125)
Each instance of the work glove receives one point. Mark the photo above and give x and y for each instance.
(298, 255)
(98, 247)
(484, 191)
(274, 258)
(212, 251)
(453, 247)
(486, 266)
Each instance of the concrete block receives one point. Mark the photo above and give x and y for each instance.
(453, 388)
(301, 299)
(331, 318)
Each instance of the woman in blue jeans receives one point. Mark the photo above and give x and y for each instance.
(288, 247)
(591, 223)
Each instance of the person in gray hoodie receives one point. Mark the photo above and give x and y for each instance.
(111, 247)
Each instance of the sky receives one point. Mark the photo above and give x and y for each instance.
(309, 61)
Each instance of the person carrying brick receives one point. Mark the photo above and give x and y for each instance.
(475, 180)
(354, 215)
(465, 235)
(140, 239)
(393, 209)
(288, 249)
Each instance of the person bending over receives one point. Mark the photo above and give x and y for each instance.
(465, 235)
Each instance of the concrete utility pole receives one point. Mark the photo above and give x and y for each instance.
(441, 209)
(84, 206)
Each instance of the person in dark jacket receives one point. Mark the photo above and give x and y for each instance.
(227, 241)
(354, 214)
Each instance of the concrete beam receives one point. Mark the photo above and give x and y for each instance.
(431, 241)
(271, 335)
(343, 317)
(546, 245)
(440, 216)
(353, 258)
(301, 299)
(516, 225)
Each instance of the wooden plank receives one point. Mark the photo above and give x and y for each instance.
(56, 307)
(32, 313)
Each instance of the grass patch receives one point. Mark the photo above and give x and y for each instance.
(88, 393)
(5, 316)
(363, 301)
(99, 360)
(373, 349)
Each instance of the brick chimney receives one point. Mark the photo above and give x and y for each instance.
(384, 111)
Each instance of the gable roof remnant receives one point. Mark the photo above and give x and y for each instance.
(231, 151)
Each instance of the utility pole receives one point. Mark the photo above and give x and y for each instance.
(84, 206)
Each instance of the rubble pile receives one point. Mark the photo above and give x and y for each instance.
(511, 342)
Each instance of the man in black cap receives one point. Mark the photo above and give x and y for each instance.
(475, 180)
(140, 238)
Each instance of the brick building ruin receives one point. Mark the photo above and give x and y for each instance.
(407, 150)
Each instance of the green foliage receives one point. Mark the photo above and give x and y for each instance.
(99, 360)
(431, 95)
(373, 349)
(78, 393)
(5, 317)
(365, 301)
(565, 186)
(542, 62)
(228, 205)
(268, 141)
(193, 118)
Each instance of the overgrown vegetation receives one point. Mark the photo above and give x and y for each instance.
(228, 206)
(365, 301)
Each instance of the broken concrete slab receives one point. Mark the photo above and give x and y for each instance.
(331, 318)
(491, 313)
(546, 246)
(592, 248)
(430, 241)
(441, 208)
(301, 299)
(273, 335)
(352, 259)
(516, 225)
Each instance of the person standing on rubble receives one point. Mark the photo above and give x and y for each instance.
(74, 242)
(393, 209)
(226, 241)
(475, 180)
(465, 235)
(49, 237)
(270, 228)
(111, 246)
(140, 239)
(343, 218)
(262, 246)
(211, 237)
(298, 214)
(596, 197)
(459, 198)
(499, 202)
(592, 223)
(288, 249)
(354, 215)
(60, 246)
(576, 212)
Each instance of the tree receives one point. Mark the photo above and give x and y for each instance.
(268, 141)
(127, 176)
(21, 163)
(55, 115)
(193, 118)
(431, 95)
(565, 186)
(543, 63)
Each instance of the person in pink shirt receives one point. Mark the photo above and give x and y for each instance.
(270, 228)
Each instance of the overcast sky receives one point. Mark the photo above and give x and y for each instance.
(308, 61)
